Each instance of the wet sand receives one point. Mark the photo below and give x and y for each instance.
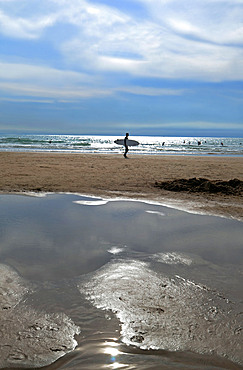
(138, 177)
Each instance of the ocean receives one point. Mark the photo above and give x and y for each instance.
(149, 145)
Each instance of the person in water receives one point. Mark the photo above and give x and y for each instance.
(125, 144)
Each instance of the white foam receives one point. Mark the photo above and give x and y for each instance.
(91, 202)
(35, 194)
(156, 213)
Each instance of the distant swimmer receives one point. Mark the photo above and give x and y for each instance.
(50, 141)
(199, 143)
(125, 144)
(222, 143)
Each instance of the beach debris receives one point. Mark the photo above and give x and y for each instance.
(30, 338)
(202, 185)
(167, 313)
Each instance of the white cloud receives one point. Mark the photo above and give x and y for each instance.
(29, 72)
(43, 82)
(150, 91)
(25, 100)
(193, 125)
(120, 64)
(20, 27)
(216, 21)
(179, 39)
(69, 94)
(183, 26)
(38, 81)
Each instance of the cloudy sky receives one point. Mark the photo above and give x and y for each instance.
(152, 67)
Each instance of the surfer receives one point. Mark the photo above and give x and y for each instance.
(125, 144)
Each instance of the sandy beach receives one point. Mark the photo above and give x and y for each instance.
(188, 267)
(113, 176)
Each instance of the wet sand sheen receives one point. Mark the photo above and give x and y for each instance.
(113, 176)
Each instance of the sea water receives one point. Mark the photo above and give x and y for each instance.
(105, 144)
(134, 285)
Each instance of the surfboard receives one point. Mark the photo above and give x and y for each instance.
(129, 142)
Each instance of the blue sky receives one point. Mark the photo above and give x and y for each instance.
(150, 67)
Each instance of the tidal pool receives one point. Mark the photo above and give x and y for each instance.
(88, 284)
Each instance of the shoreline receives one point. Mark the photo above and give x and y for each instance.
(110, 176)
(120, 153)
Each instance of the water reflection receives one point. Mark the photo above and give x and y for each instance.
(52, 237)
(60, 242)
(111, 349)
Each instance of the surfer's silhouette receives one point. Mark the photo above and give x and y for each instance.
(125, 144)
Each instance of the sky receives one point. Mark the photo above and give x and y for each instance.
(149, 67)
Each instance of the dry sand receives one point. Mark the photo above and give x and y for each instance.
(113, 176)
